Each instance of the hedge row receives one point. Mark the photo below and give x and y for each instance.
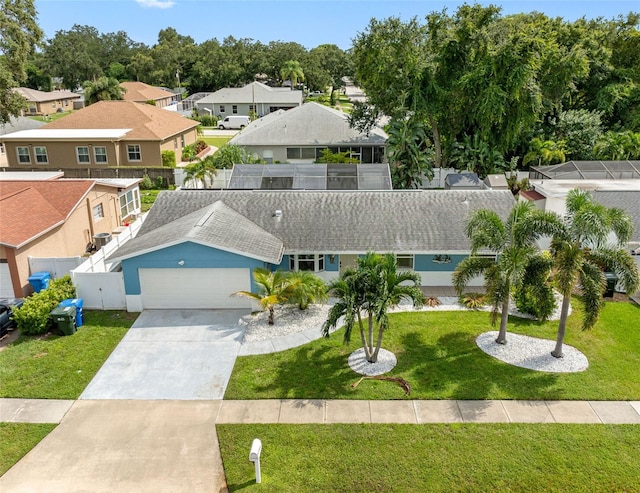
(33, 316)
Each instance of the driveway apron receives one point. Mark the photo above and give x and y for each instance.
(172, 354)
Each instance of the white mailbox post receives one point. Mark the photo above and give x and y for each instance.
(254, 456)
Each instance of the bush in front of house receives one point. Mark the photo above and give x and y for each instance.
(168, 159)
(32, 317)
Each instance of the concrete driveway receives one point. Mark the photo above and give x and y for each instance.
(172, 354)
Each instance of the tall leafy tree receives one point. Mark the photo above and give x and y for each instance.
(273, 288)
(292, 71)
(583, 250)
(513, 243)
(374, 287)
(19, 35)
(102, 89)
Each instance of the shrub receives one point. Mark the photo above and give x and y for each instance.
(169, 159)
(208, 121)
(33, 317)
(188, 153)
(146, 183)
(432, 301)
(538, 301)
(305, 288)
(472, 300)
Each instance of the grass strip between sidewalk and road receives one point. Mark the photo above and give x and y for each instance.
(418, 458)
(16, 439)
(438, 357)
(60, 367)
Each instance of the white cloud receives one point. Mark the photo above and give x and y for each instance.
(156, 4)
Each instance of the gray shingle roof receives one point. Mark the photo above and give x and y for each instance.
(254, 92)
(214, 225)
(311, 124)
(629, 201)
(18, 124)
(422, 221)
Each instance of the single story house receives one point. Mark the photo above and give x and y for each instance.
(16, 125)
(46, 103)
(255, 97)
(139, 92)
(107, 133)
(301, 134)
(55, 218)
(196, 248)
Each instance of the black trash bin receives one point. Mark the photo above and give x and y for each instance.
(612, 280)
(64, 320)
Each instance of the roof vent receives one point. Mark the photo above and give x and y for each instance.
(277, 214)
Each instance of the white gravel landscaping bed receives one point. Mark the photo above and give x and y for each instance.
(289, 319)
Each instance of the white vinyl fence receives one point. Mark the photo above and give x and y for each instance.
(100, 284)
(56, 266)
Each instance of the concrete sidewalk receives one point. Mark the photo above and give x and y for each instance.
(355, 411)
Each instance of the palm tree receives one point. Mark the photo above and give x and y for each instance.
(292, 71)
(545, 152)
(103, 89)
(202, 170)
(407, 152)
(306, 288)
(272, 290)
(513, 243)
(374, 287)
(582, 252)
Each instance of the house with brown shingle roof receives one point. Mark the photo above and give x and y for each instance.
(47, 102)
(140, 92)
(104, 134)
(50, 218)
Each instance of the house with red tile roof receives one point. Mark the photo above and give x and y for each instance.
(50, 218)
(104, 134)
(140, 92)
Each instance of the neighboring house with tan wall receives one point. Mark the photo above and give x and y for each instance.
(50, 218)
(104, 134)
(140, 92)
(15, 124)
(46, 103)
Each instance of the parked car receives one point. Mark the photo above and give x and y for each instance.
(7, 305)
(237, 121)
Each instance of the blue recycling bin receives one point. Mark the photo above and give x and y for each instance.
(77, 303)
(39, 281)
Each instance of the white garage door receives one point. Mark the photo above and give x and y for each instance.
(6, 288)
(194, 288)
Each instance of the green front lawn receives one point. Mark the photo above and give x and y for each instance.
(60, 367)
(438, 356)
(52, 117)
(16, 439)
(147, 198)
(217, 141)
(418, 458)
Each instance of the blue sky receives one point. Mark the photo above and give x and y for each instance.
(308, 22)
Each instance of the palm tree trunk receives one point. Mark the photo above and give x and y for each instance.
(363, 337)
(562, 326)
(271, 315)
(374, 356)
(502, 335)
(370, 342)
(437, 144)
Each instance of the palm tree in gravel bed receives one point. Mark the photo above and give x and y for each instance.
(583, 252)
(513, 243)
(373, 288)
(273, 288)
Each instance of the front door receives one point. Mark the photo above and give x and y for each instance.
(348, 261)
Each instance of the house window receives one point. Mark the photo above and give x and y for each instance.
(222, 108)
(404, 261)
(100, 155)
(293, 153)
(182, 140)
(82, 154)
(134, 153)
(129, 203)
(98, 212)
(66, 102)
(234, 109)
(175, 144)
(252, 107)
(23, 155)
(308, 153)
(307, 262)
(41, 155)
(53, 104)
